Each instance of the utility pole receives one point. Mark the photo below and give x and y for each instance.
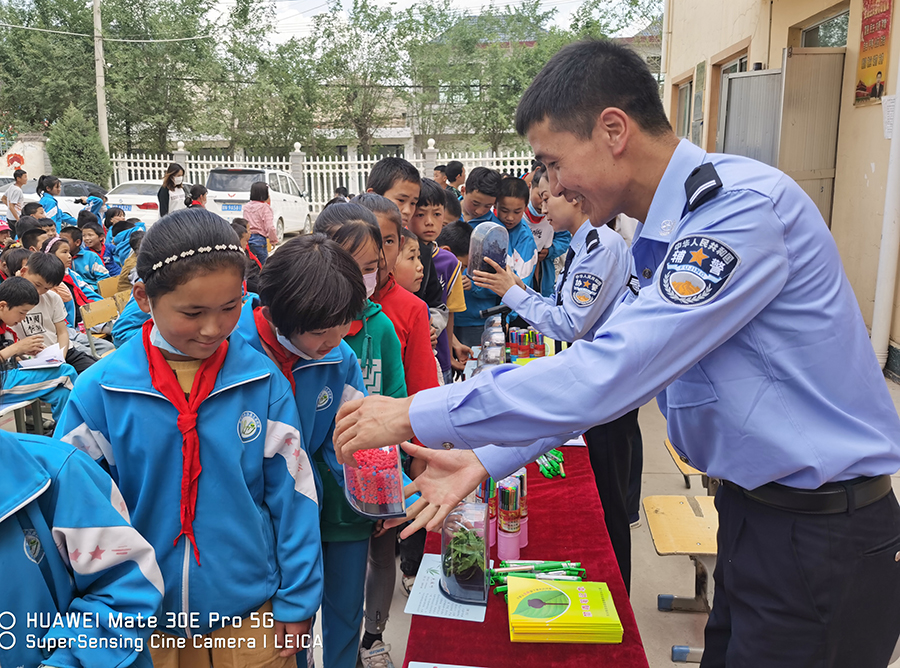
(100, 73)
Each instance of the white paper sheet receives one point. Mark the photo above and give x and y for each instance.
(427, 599)
(48, 358)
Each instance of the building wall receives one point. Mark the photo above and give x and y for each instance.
(707, 31)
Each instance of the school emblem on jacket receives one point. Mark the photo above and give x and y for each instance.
(326, 396)
(585, 288)
(696, 269)
(249, 426)
(33, 548)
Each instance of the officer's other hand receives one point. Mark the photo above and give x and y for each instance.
(498, 283)
(449, 476)
(372, 422)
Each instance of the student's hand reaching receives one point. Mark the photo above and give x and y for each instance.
(449, 476)
(498, 283)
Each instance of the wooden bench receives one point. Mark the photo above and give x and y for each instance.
(682, 463)
(685, 525)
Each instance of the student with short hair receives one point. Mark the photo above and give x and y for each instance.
(85, 262)
(86, 216)
(545, 273)
(456, 177)
(14, 259)
(48, 225)
(46, 271)
(260, 220)
(200, 433)
(93, 238)
(33, 239)
(48, 189)
(254, 266)
(14, 198)
(512, 201)
(440, 175)
(482, 190)
(128, 275)
(452, 208)
(34, 209)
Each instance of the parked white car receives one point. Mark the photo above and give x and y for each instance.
(72, 189)
(137, 199)
(229, 190)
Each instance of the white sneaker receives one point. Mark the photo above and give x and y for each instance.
(378, 656)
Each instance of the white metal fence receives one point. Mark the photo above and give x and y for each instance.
(317, 176)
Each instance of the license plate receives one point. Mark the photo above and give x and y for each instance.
(231, 207)
(125, 207)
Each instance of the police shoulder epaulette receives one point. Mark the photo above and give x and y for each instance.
(701, 185)
(591, 241)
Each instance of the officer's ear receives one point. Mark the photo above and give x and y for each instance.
(613, 128)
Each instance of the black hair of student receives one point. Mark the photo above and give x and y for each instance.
(349, 224)
(171, 171)
(334, 200)
(515, 189)
(47, 266)
(341, 191)
(134, 220)
(85, 217)
(72, 232)
(111, 213)
(259, 191)
(387, 172)
(95, 228)
(29, 239)
(441, 168)
(311, 284)
(431, 194)
(135, 240)
(239, 228)
(18, 174)
(407, 235)
(380, 204)
(484, 180)
(454, 170)
(30, 209)
(198, 190)
(121, 226)
(47, 222)
(50, 245)
(26, 223)
(582, 80)
(45, 182)
(186, 230)
(18, 291)
(240, 221)
(15, 258)
(537, 175)
(452, 207)
(456, 237)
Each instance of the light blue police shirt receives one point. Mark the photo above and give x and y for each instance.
(751, 339)
(596, 280)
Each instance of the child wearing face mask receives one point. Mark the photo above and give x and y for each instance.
(200, 433)
(371, 336)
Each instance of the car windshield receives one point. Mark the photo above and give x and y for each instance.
(233, 180)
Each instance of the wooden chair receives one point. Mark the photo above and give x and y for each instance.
(108, 286)
(121, 298)
(685, 525)
(684, 467)
(97, 313)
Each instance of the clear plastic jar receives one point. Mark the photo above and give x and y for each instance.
(375, 487)
(464, 554)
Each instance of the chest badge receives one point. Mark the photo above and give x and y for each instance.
(249, 426)
(325, 399)
(33, 548)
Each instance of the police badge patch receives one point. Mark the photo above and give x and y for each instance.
(695, 270)
(585, 288)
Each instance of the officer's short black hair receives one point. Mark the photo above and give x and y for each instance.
(484, 180)
(18, 291)
(453, 171)
(311, 284)
(456, 237)
(389, 171)
(582, 80)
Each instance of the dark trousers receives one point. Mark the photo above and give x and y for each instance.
(411, 551)
(609, 446)
(633, 500)
(79, 360)
(804, 591)
(259, 247)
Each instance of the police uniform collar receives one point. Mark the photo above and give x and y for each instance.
(580, 236)
(670, 200)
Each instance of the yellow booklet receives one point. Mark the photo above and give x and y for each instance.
(562, 611)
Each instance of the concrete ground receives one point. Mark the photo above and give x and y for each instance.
(651, 574)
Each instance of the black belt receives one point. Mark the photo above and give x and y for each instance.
(829, 499)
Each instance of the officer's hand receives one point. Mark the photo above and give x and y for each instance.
(373, 422)
(450, 475)
(498, 283)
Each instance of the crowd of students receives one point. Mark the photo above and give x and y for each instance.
(231, 365)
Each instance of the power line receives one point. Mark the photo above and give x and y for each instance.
(107, 39)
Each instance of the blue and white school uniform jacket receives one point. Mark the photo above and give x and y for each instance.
(89, 266)
(257, 520)
(129, 323)
(66, 546)
(54, 213)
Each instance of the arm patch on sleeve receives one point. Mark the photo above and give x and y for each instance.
(585, 288)
(695, 270)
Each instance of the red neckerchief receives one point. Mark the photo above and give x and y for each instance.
(163, 378)
(102, 249)
(284, 358)
(254, 258)
(3, 276)
(6, 330)
(80, 298)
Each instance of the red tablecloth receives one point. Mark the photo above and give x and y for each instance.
(565, 522)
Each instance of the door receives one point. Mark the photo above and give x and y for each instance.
(749, 109)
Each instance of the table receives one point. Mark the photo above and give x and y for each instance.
(565, 522)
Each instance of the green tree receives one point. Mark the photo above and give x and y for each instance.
(75, 150)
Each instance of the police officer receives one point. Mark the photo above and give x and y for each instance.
(596, 276)
(748, 333)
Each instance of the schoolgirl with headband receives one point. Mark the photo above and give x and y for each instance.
(200, 433)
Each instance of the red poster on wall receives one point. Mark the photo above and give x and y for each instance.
(874, 51)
